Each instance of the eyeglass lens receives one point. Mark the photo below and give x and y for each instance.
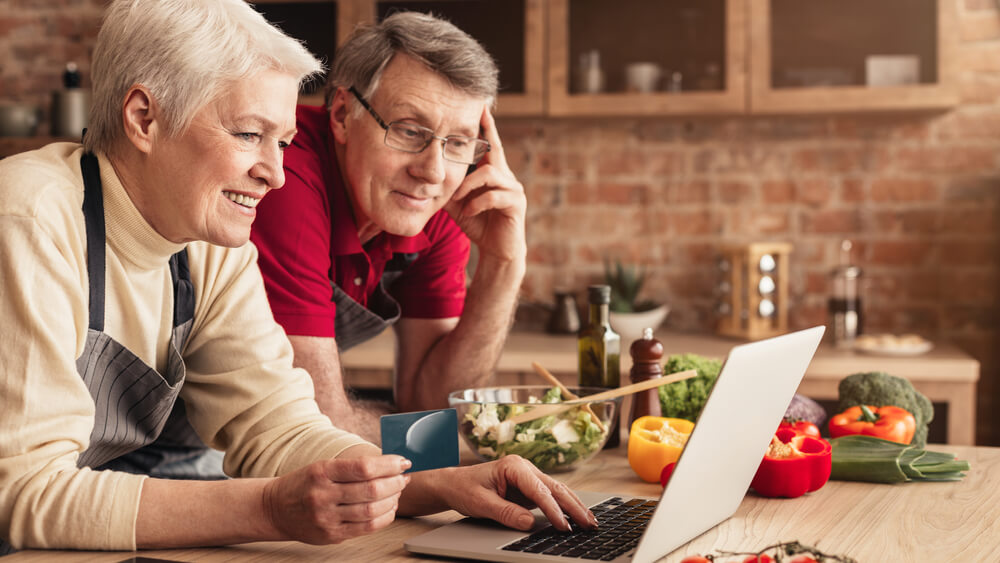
(411, 138)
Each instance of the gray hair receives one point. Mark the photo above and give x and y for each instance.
(438, 44)
(186, 52)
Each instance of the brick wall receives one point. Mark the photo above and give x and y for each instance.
(918, 194)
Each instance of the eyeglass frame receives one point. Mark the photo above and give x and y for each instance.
(444, 140)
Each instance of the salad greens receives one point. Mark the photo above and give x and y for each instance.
(550, 443)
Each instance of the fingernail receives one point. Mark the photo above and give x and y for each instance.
(525, 521)
(593, 519)
(405, 464)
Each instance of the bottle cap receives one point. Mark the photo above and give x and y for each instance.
(599, 294)
(71, 76)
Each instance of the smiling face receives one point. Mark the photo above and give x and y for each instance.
(391, 190)
(205, 183)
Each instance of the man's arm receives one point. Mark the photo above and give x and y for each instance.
(319, 356)
(489, 206)
(437, 356)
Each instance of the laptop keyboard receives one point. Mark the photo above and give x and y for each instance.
(621, 525)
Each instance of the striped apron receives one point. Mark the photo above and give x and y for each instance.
(354, 323)
(134, 404)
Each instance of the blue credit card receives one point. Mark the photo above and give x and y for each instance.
(429, 439)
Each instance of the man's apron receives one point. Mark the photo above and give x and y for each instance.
(354, 323)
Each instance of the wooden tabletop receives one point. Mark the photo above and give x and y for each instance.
(953, 521)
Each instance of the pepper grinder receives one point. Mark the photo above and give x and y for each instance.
(646, 354)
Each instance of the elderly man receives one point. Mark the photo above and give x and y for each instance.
(134, 312)
(385, 187)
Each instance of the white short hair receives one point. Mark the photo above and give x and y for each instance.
(186, 52)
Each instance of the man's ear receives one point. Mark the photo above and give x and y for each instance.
(340, 107)
(140, 118)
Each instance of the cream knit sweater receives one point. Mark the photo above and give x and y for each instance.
(241, 392)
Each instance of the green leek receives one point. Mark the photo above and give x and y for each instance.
(866, 458)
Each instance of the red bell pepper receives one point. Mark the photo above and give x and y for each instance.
(886, 422)
(793, 465)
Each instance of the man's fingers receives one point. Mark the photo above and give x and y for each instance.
(364, 468)
(489, 125)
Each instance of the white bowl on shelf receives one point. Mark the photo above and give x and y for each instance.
(630, 325)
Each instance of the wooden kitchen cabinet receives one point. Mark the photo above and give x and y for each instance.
(717, 57)
(700, 46)
(511, 31)
(810, 57)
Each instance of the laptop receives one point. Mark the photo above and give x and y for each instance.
(713, 473)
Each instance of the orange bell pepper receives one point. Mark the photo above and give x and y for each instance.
(888, 422)
(655, 441)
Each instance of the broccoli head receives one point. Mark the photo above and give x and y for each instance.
(685, 399)
(881, 389)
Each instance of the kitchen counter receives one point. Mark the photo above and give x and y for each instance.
(953, 521)
(945, 374)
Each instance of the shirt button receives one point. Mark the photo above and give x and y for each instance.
(357, 281)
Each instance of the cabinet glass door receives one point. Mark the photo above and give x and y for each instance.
(644, 57)
(509, 30)
(851, 55)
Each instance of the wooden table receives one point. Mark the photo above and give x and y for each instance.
(945, 374)
(872, 523)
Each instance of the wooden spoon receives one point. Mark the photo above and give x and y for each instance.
(566, 392)
(546, 409)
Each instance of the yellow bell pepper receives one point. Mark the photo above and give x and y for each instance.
(655, 441)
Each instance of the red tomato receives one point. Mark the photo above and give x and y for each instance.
(800, 426)
(762, 559)
(665, 474)
(802, 559)
(696, 559)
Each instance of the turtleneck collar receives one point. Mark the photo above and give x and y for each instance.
(127, 231)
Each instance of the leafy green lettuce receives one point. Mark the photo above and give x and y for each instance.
(550, 443)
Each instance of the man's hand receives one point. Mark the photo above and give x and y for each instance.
(489, 206)
(334, 500)
(503, 490)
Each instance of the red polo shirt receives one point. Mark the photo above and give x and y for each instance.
(306, 236)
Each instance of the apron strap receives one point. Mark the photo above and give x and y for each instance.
(93, 212)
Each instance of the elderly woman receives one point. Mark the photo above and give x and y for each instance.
(127, 287)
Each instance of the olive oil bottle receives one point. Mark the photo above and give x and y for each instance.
(599, 350)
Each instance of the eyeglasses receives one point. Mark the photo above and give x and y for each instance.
(411, 138)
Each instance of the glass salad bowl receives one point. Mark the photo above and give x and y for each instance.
(564, 438)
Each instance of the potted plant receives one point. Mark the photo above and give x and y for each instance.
(628, 314)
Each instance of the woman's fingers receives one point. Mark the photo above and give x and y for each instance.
(330, 501)
(545, 493)
(368, 491)
(365, 468)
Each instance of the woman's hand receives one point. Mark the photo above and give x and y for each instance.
(503, 490)
(334, 500)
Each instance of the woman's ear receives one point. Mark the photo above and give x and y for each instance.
(140, 118)
(340, 108)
